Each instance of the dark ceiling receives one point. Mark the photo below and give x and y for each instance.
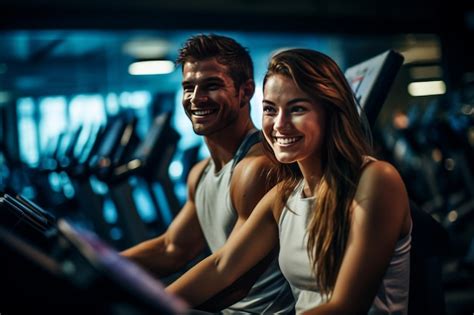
(368, 16)
(74, 46)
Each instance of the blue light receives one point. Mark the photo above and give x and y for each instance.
(176, 169)
(145, 207)
(109, 211)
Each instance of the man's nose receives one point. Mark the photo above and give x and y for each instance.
(198, 95)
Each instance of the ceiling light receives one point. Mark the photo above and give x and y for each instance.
(426, 88)
(151, 67)
(147, 48)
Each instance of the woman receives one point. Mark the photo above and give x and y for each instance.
(340, 217)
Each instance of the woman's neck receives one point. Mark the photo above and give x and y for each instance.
(312, 172)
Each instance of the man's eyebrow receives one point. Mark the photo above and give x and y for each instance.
(205, 80)
(212, 79)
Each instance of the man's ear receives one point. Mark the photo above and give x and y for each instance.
(247, 89)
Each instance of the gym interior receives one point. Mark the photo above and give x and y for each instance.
(89, 135)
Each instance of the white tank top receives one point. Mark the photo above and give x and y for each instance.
(271, 293)
(392, 295)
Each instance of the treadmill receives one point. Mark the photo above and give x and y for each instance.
(59, 267)
(371, 81)
(147, 165)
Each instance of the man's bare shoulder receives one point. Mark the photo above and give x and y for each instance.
(250, 181)
(254, 161)
(254, 166)
(253, 171)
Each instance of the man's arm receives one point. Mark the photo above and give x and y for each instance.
(183, 241)
(239, 289)
(257, 238)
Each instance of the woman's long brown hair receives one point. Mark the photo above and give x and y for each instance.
(343, 150)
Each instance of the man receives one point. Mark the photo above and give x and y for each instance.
(223, 189)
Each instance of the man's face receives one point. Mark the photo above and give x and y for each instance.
(210, 98)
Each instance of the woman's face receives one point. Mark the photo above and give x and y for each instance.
(293, 123)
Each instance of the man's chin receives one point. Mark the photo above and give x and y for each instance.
(200, 131)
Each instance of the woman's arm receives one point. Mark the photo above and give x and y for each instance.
(380, 216)
(244, 249)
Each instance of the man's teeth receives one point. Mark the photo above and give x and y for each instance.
(202, 112)
(286, 140)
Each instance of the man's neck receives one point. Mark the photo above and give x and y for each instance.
(223, 144)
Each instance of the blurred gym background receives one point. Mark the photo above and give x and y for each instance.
(81, 119)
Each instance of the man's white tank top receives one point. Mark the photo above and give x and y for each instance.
(271, 293)
(392, 295)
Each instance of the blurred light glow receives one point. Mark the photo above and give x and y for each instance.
(116, 233)
(436, 155)
(5, 96)
(112, 104)
(135, 100)
(452, 215)
(147, 47)
(151, 67)
(426, 88)
(449, 164)
(86, 110)
(27, 128)
(426, 72)
(109, 211)
(467, 109)
(400, 120)
(430, 51)
(176, 169)
(53, 118)
(145, 207)
(470, 135)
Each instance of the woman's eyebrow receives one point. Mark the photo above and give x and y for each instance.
(290, 102)
(299, 100)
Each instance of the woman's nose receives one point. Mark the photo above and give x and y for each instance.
(282, 121)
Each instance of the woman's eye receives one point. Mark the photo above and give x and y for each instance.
(298, 109)
(268, 109)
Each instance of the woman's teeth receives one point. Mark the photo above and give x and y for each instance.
(289, 140)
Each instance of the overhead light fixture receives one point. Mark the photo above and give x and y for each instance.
(426, 88)
(151, 67)
(147, 48)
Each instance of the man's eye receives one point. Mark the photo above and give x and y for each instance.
(212, 87)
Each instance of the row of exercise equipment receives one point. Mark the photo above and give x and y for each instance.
(56, 266)
(432, 145)
(117, 184)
